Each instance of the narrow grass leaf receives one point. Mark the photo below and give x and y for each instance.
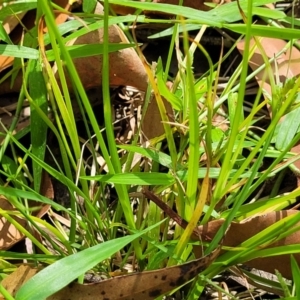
(134, 178)
(157, 156)
(267, 13)
(64, 271)
(287, 129)
(86, 50)
(201, 16)
(38, 128)
(164, 91)
(296, 274)
(15, 7)
(19, 51)
(9, 192)
(3, 35)
(265, 31)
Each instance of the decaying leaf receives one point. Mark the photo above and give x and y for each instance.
(16, 279)
(9, 234)
(145, 285)
(240, 232)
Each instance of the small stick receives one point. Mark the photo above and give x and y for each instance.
(169, 211)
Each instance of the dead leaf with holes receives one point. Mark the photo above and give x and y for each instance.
(237, 233)
(240, 232)
(145, 285)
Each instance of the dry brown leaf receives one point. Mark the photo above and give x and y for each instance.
(9, 234)
(240, 232)
(145, 285)
(125, 67)
(152, 123)
(16, 279)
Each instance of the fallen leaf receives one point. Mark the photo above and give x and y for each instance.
(152, 125)
(16, 279)
(125, 67)
(145, 285)
(240, 232)
(9, 234)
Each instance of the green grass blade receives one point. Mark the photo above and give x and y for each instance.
(64, 271)
(38, 128)
(19, 51)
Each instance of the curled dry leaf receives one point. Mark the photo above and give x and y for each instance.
(145, 285)
(125, 67)
(240, 232)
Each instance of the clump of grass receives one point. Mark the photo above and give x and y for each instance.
(205, 176)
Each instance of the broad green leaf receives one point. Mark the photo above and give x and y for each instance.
(61, 273)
